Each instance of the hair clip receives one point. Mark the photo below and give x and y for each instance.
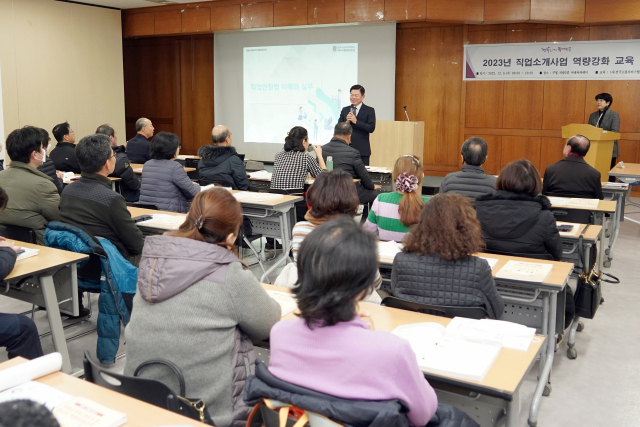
(199, 223)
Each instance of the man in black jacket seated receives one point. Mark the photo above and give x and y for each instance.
(362, 119)
(129, 184)
(64, 154)
(89, 203)
(48, 167)
(348, 159)
(138, 146)
(220, 162)
(572, 176)
(17, 333)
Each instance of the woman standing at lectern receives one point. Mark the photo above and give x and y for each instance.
(606, 119)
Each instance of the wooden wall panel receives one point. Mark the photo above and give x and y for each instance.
(468, 11)
(225, 18)
(614, 32)
(612, 11)
(550, 152)
(506, 10)
(526, 35)
(523, 104)
(138, 24)
(494, 148)
(363, 10)
(289, 12)
(484, 104)
(564, 34)
(520, 147)
(325, 12)
(403, 10)
(169, 22)
(558, 10)
(563, 103)
(196, 20)
(256, 15)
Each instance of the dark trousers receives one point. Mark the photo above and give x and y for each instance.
(366, 197)
(19, 334)
(365, 160)
(613, 163)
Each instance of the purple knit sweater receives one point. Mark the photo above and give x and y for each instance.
(348, 360)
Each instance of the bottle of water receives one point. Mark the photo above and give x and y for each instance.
(329, 163)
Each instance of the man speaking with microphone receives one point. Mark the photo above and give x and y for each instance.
(363, 121)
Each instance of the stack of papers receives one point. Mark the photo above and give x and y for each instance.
(210, 186)
(584, 203)
(525, 271)
(558, 201)
(389, 250)
(285, 299)
(248, 196)
(377, 169)
(615, 184)
(28, 253)
(261, 175)
(164, 221)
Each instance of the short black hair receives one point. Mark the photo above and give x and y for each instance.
(605, 97)
(26, 413)
(22, 142)
(295, 138)
(163, 146)
(92, 152)
(579, 145)
(59, 131)
(106, 130)
(357, 87)
(44, 137)
(342, 128)
(337, 262)
(4, 198)
(474, 151)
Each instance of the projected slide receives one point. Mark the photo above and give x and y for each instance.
(287, 86)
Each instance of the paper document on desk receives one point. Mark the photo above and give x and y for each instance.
(525, 271)
(83, 412)
(377, 169)
(285, 299)
(138, 170)
(493, 332)
(36, 392)
(28, 253)
(620, 185)
(210, 186)
(164, 221)
(389, 250)
(584, 203)
(492, 261)
(558, 201)
(263, 175)
(248, 196)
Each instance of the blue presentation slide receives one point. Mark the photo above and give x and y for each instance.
(303, 85)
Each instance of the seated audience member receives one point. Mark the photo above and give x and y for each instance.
(437, 266)
(33, 198)
(48, 167)
(164, 181)
(348, 159)
(210, 305)
(292, 165)
(17, 333)
(138, 146)
(336, 269)
(332, 195)
(471, 181)
(392, 214)
(220, 162)
(516, 219)
(26, 413)
(91, 204)
(572, 176)
(129, 182)
(64, 153)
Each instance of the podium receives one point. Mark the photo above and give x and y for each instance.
(393, 139)
(599, 155)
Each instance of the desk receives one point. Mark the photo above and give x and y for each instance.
(149, 229)
(592, 235)
(500, 387)
(139, 414)
(137, 168)
(533, 305)
(629, 174)
(113, 180)
(264, 184)
(619, 195)
(48, 279)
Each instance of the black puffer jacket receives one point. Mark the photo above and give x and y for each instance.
(123, 170)
(64, 157)
(430, 279)
(49, 168)
(222, 164)
(518, 224)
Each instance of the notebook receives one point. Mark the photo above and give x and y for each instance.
(28, 253)
(285, 299)
(164, 221)
(525, 271)
(389, 250)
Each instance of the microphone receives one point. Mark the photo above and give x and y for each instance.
(405, 113)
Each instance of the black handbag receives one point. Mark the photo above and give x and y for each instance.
(189, 407)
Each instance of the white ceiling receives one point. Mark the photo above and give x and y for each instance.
(130, 4)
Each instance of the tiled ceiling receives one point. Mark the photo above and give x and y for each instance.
(131, 4)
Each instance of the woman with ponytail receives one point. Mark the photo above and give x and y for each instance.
(392, 214)
(199, 307)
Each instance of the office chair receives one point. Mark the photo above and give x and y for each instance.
(437, 310)
(16, 232)
(142, 205)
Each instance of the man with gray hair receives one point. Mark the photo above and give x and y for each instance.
(220, 162)
(471, 181)
(572, 176)
(138, 146)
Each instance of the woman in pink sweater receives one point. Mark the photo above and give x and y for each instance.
(330, 348)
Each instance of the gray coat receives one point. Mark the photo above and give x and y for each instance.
(199, 308)
(166, 185)
(610, 122)
(471, 181)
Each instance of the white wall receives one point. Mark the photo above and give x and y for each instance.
(376, 71)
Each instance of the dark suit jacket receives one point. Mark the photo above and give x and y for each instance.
(138, 149)
(610, 122)
(64, 157)
(348, 159)
(572, 177)
(366, 124)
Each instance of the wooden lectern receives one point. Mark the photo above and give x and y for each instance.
(599, 155)
(391, 140)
